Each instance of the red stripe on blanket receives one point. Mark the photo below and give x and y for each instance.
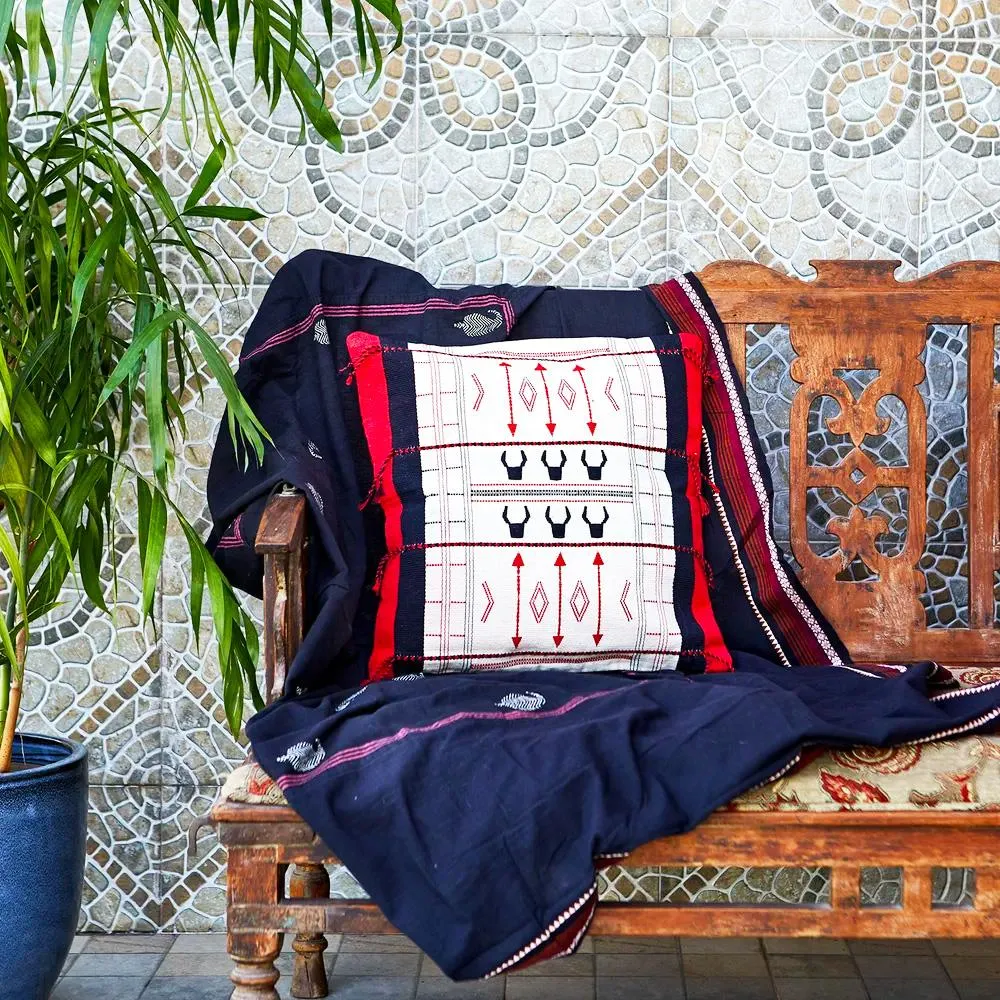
(717, 657)
(373, 398)
(741, 492)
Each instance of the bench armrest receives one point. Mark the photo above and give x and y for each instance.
(281, 540)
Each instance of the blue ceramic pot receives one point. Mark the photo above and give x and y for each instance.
(43, 841)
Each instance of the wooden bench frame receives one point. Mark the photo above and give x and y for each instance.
(854, 315)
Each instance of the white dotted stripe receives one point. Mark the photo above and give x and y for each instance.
(963, 691)
(721, 508)
(958, 730)
(575, 943)
(546, 934)
(755, 475)
(777, 774)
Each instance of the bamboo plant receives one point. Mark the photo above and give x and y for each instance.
(93, 332)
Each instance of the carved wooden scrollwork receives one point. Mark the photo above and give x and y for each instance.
(823, 351)
(856, 315)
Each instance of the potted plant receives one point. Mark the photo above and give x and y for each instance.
(94, 337)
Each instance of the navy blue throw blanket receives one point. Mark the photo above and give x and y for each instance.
(472, 808)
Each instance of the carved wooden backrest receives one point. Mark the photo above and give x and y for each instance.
(859, 337)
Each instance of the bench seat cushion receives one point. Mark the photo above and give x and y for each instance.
(962, 773)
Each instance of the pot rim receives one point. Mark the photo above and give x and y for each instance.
(76, 753)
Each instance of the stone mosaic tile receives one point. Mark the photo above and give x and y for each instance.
(97, 681)
(961, 141)
(121, 889)
(796, 18)
(554, 17)
(628, 885)
(784, 151)
(756, 886)
(193, 890)
(542, 159)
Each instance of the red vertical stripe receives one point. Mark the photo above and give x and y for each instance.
(373, 398)
(718, 658)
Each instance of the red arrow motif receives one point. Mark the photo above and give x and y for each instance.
(516, 638)
(558, 637)
(512, 427)
(548, 399)
(598, 635)
(586, 393)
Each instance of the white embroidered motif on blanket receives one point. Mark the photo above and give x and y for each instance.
(529, 701)
(303, 756)
(480, 324)
(320, 333)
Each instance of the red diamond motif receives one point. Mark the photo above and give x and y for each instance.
(567, 394)
(539, 602)
(579, 602)
(528, 394)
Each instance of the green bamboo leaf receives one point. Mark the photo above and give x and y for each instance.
(207, 176)
(70, 17)
(34, 424)
(233, 213)
(6, 16)
(310, 97)
(110, 237)
(90, 554)
(154, 408)
(152, 538)
(100, 30)
(33, 37)
(129, 363)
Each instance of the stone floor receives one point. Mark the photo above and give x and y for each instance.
(195, 967)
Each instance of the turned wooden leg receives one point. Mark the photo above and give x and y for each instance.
(309, 881)
(253, 878)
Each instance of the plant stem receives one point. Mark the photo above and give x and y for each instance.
(16, 670)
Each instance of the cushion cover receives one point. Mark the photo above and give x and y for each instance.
(543, 504)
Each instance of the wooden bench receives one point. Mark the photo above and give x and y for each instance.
(854, 315)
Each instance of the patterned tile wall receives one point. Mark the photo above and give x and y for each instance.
(583, 142)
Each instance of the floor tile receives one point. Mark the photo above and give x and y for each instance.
(720, 946)
(182, 963)
(820, 989)
(79, 940)
(805, 946)
(201, 944)
(813, 967)
(102, 987)
(724, 966)
(635, 945)
(438, 988)
(376, 942)
(911, 989)
(710, 988)
(990, 946)
(371, 987)
(68, 964)
(188, 988)
(383, 964)
(123, 944)
(902, 946)
(901, 967)
(570, 965)
(115, 965)
(639, 988)
(549, 988)
(973, 966)
(642, 965)
(976, 989)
